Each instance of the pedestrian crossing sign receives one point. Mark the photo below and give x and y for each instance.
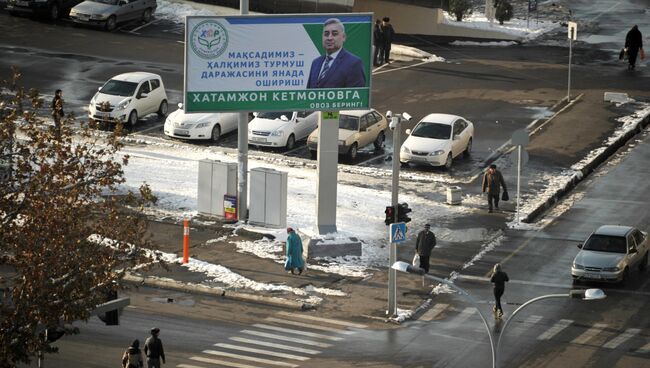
(397, 232)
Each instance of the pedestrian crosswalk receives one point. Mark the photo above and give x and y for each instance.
(282, 340)
(597, 334)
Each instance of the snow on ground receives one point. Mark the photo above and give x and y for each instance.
(521, 28)
(487, 44)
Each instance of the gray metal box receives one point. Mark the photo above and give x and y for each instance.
(216, 179)
(268, 198)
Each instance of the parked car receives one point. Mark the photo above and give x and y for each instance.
(110, 13)
(200, 126)
(357, 129)
(610, 254)
(128, 97)
(52, 9)
(437, 140)
(281, 129)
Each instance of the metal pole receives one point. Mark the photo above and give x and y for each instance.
(568, 93)
(242, 151)
(392, 274)
(518, 178)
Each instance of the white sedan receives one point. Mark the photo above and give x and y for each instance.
(200, 126)
(437, 140)
(281, 129)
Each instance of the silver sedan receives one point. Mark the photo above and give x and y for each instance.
(109, 13)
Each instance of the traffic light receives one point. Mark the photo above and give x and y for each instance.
(390, 215)
(402, 210)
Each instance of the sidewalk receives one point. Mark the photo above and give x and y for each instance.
(554, 153)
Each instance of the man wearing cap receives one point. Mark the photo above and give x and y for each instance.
(424, 245)
(153, 349)
(492, 182)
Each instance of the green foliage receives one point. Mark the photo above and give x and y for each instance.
(460, 8)
(503, 11)
(65, 237)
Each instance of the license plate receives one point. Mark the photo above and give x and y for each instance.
(103, 114)
(181, 132)
(591, 275)
(258, 139)
(418, 158)
(22, 3)
(83, 17)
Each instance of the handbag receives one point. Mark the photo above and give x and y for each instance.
(505, 196)
(621, 54)
(416, 260)
(642, 54)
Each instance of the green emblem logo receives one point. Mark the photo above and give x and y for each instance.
(209, 39)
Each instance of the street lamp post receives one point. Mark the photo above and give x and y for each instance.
(588, 294)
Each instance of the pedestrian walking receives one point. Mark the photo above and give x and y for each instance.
(378, 38)
(499, 278)
(132, 357)
(153, 349)
(424, 245)
(634, 46)
(387, 33)
(492, 183)
(57, 111)
(294, 253)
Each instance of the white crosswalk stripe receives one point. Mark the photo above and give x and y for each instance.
(242, 357)
(261, 351)
(644, 349)
(590, 333)
(555, 329)
(273, 345)
(286, 338)
(532, 320)
(296, 332)
(432, 313)
(617, 341)
(215, 361)
(320, 319)
(309, 325)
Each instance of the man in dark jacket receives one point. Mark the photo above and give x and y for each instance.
(633, 43)
(388, 32)
(424, 245)
(153, 349)
(492, 182)
(378, 38)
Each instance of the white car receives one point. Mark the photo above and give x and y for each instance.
(128, 97)
(281, 129)
(200, 126)
(610, 254)
(437, 140)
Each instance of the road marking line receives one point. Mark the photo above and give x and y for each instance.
(241, 357)
(644, 349)
(303, 333)
(434, 312)
(273, 345)
(286, 338)
(216, 361)
(307, 325)
(532, 320)
(146, 24)
(555, 329)
(404, 67)
(590, 334)
(464, 315)
(372, 159)
(628, 334)
(149, 129)
(262, 351)
(320, 319)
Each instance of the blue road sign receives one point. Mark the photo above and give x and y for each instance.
(397, 232)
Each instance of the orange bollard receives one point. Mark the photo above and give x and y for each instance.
(186, 240)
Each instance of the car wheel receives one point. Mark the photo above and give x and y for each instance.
(404, 164)
(352, 153)
(379, 142)
(468, 149)
(291, 142)
(111, 23)
(146, 15)
(216, 133)
(54, 11)
(133, 118)
(644, 263)
(449, 162)
(163, 109)
(313, 154)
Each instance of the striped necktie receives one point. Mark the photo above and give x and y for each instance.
(326, 67)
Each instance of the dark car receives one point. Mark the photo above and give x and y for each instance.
(52, 9)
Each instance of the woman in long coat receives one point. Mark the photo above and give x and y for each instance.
(294, 253)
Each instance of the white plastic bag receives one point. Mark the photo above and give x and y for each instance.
(416, 260)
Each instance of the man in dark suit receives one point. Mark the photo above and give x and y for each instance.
(337, 68)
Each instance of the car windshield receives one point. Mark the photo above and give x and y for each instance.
(274, 115)
(605, 243)
(109, 2)
(432, 130)
(348, 122)
(119, 88)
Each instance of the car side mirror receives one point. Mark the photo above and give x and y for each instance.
(284, 118)
(408, 131)
(580, 245)
(363, 129)
(632, 250)
(456, 137)
(143, 95)
(99, 88)
(122, 2)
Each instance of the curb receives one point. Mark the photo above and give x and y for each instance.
(170, 284)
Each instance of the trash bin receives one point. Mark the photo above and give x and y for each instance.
(454, 195)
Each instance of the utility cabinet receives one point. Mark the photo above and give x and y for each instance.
(216, 179)
(268, 198)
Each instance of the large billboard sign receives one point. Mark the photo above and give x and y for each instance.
(277, 62)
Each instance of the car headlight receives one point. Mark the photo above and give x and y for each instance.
(405, 150)
(342, 143)
(437, 153)
(123, 104)
(277, 133)
(201, 125)
(578, 266)
(611, 269)
(73, 12)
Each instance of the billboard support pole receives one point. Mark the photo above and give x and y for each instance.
(242, 151)
(328, 160)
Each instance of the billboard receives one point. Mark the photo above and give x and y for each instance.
(277, 62)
